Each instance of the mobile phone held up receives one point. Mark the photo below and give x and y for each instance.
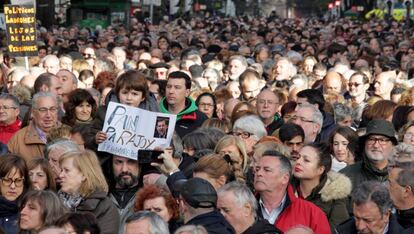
(149, 156)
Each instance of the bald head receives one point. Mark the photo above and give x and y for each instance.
(51, 64)
(332, 83)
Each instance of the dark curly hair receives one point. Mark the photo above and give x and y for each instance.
(76, 97)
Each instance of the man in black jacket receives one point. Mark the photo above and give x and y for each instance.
(371, 205)
(198, 200)
(377, 145)
(123, 179)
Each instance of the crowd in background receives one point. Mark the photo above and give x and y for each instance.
(283, 126)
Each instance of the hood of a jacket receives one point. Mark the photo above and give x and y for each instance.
(337, 186)
(190, 107)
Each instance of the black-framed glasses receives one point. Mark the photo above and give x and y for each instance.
(8, 181)
(354, 84)
(381, 141)
(243, 135)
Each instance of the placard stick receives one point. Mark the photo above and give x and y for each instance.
(26, 61)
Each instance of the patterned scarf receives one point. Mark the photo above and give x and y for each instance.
(69, 200)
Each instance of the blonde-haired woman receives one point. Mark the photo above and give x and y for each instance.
(84, 188)
(234, 147)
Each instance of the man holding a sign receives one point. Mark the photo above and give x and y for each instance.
(177, 102)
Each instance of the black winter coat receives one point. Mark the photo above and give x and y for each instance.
(348, 227)
(213, 222)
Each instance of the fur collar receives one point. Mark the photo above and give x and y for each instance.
(337, 186)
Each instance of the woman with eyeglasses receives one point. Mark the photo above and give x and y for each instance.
(206, 103)
(14, 183)
(250, 129)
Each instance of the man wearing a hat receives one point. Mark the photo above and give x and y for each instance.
(377, 146)
(198, 200)
(160, 70)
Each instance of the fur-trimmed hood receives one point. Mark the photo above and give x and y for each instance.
(337, 186)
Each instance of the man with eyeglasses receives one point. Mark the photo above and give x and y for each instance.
(315, 98)
(9, 113)
(378, 145)
(30, 141)
(310, 119)
(89, 55)
(267, 106)
(358, 86)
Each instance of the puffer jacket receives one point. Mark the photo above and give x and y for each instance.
(298, 211)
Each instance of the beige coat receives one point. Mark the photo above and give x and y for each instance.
(27, 143)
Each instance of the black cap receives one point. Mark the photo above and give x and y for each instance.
(380, 127)
(197, 192)
(160, 65)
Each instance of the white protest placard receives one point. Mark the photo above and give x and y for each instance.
(130, 129)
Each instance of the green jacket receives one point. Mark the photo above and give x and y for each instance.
(190, 106)
(188, 119)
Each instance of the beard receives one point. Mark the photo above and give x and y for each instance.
(126, 182)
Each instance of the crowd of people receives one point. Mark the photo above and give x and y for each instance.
(283, 126)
